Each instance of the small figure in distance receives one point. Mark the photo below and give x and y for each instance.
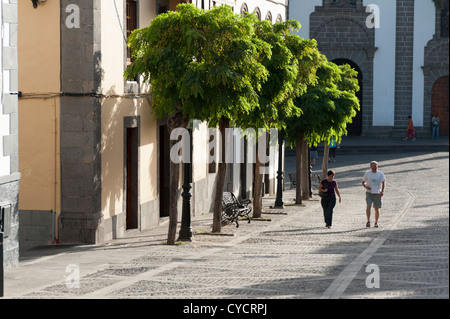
(410, 130)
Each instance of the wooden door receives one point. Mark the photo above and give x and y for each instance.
(132, 205)
(164, 171)
(439, 104)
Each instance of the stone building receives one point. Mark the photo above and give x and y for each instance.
(9, 160)
(94, 160)
(399, 48)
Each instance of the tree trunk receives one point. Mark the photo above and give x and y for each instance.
(257, 197)
(221, 174)
(173, 196)
(304, 168)
(326, 152)
(298, 172)
(174, 121)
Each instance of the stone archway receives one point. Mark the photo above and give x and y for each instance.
(355, 128)
(342, 36)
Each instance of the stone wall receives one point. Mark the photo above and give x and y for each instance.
(81, 126)
(404, 62)
(9, 182)
(341, 33)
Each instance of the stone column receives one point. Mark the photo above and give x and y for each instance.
(80, 219)
(404, 52)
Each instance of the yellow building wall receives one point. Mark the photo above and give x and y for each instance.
(39, 80)
(116, 106)
(113, 112)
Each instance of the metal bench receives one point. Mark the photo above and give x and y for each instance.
(315, 178)
(233, 209)
(292, 178)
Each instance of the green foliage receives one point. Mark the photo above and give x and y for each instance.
(328, 106)
(439, 3)
(206, 63)
(291, 68)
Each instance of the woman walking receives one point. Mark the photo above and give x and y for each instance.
(330, 187)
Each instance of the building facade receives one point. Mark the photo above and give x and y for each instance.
(94, 160)
(400, 50)
(9, 160)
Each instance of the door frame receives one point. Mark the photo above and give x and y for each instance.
(131, 122)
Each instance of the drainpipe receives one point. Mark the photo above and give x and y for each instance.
(55, 227)
(287, 10)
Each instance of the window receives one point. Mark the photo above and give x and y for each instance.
(222, 3)
(131, 22)
(342, 3)
(244, 9)
(162, 6)
(258, 13)
(279, 19)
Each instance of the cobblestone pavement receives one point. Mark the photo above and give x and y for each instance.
(292, 255)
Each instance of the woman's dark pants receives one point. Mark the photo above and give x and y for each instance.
(328, 204)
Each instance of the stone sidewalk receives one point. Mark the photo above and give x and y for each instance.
(288, 254)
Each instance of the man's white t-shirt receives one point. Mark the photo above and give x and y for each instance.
(374, 180)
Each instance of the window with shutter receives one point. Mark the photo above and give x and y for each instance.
(131, 22)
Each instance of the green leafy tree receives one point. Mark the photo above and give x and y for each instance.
(207, 64)
(291, 66)
(439, 3)
(328, 106)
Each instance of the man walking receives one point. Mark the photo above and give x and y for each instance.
(374, 182)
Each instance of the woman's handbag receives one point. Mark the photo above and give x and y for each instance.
(323, 194)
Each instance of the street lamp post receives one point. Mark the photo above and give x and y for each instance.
(309, 171)
(186, 228)
(279, 199)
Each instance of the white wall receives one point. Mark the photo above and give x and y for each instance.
(300, 11)
(275, 7)
(424, 28)
(384, 64)
(4, 86)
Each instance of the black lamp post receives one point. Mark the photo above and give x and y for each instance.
(279, 199)
(1, 263)
(309, 171)
(186, 228)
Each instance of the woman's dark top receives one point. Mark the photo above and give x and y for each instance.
(330, 186)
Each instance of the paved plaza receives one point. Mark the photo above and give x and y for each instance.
(288, 254)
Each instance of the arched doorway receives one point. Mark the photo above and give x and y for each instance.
(354, 128)
(440, 104)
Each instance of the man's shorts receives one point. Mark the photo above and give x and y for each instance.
(373, 198)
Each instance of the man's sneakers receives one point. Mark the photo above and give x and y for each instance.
(368, 225)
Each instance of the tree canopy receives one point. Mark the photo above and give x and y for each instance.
(206, 63)
(328, 106)
(291, 68)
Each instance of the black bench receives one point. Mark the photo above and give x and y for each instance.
(314, 178)
(233, 209)
(292, 178)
